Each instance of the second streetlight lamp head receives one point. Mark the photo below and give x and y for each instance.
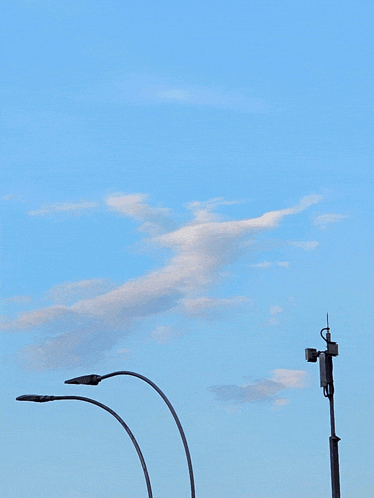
(90, 380)
(35, 397)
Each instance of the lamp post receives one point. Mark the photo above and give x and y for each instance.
(327, 383)
(93, 380)
(42, 399)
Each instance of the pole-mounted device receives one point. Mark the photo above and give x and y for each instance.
(327, 384)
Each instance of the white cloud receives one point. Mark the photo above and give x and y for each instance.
(274, 310)
(142, 89)
(307, 246)
(31, 319)
(289, 378)
(18, 300)
(163, 334)
(153, 220)
(210, 97)
(207, 307)
(203, 210)
(63, 207)
(283, 264)
(263, 264)
(279, 402)
(262, 390)
(324, 220)
(80, 333)
(270, 264)
(12, 197)
(69, 292)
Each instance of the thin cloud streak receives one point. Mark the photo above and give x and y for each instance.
(270, 264)
(18, 300)
(142, 89)
(207, 307)
(91, 326)
(63, 207)
(306, 245)
(323, 221)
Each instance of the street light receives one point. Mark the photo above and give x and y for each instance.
(42, 399)
(327, 383)
(93, 380)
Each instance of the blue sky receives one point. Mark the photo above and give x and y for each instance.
(186, 190)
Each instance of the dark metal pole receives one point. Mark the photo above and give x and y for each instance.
(43, 399)
(327, 383)
(94, 379)
(334, 439)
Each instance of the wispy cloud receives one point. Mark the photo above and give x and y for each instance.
(18, 300)
(323, 221)
(262, 264)
(142, 89)
(81, 332)
(271, 264)
(63, 207)
(12, 197)
(207, 307)
(153, 220)
(164, 334)
(283, 264)
(210, 97)
(307, 246)
(275, 309)
(69, 292)
(202, 211)
(262, 390)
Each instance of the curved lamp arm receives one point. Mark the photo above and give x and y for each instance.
(94, 380)
(42, 399)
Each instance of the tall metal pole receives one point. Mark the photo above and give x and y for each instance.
(327, 383)
(328, 391)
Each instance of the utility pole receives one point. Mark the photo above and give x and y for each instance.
(327, 383)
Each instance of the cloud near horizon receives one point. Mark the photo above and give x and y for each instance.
(84, 330)
(262, 390)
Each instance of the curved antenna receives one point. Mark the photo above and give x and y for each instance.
(328, 335)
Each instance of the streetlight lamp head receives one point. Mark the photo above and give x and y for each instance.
(35, 397)
(90, 380)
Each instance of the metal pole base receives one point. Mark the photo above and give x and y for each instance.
(334, 461)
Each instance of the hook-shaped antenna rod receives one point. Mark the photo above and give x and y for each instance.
(328, 335)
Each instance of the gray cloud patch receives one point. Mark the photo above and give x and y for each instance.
(262, 390)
